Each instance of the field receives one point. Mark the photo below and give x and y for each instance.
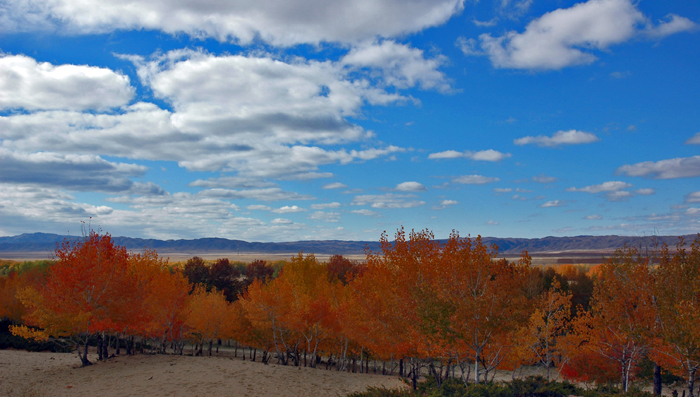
(57, 374)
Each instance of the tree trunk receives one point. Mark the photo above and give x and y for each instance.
(84, 362)
(401, 367)
(691, 383)
(105, 346)
(100, 341)
(657, 379)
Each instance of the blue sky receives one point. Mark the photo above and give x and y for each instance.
(296, 120)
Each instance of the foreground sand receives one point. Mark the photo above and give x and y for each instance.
(57, 374)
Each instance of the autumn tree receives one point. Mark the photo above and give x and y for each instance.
(546, 327)
(196, 271)
(620, 326)
(224, 277)
(258, 270)
(678, 294)
(86, 291)
(207, 316)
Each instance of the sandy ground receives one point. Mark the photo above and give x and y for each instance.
(58, 374)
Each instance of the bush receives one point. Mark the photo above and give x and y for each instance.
(535, 386)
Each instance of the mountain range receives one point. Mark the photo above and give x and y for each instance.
(36, 242)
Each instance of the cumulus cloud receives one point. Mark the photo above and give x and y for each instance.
(693, 197)
(614, 190)
(571, 137)
(231, 182)
(542, 178)
(567, 36)
(267, 194)
(178, 215)
(475, 180)
(694, 140)
(283, 24)
(468, 47)
(364, 212)
(258, 207)
(31, 85)
(553, 203)
(680, 167)
(482, 155)
(334, 185)
(610, 186)
(444, 204)
(645, 192)
(281, 221)
(324, 206)
(253, 116)
(593, 217)
(410, 187)
(673, 24)
(74, 172)
(325, 216)
(389, 200)
(288, 209)
(401, 65)
(501, 190)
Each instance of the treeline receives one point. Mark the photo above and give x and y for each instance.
(451, 310)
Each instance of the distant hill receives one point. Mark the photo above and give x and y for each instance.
(37, 242)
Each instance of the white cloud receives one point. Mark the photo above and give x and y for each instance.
(410, 187)
(73, 172)
(401, 66)
(268, 194)
(389, 200)
(468, 46)
(620, 195)
(571, 137)
(288, 209)
(269, 119)
(475, 179)
(693, 197)
(610, 186)
(680, 167)
(334, 185)
(279, 23)
(614, 190)
(566, 36)
(482, 155)
(231, 182)
(645, 192)
(675, 24)
(30, 85)
(444, 204)
(324, 206)
(178, 215)
(281, 221)
(492, 223)
(501, 190)
(553, 203)
(542, 178)
(364, 212)
(593, 217)
(258, 207)
(325, 216)
(694, 140)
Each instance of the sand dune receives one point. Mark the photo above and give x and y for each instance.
(57, 374)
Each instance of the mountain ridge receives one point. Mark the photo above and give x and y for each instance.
(34, 242)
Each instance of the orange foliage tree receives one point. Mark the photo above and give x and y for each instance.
(620, 327)
(88, 290)
(678, 293)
